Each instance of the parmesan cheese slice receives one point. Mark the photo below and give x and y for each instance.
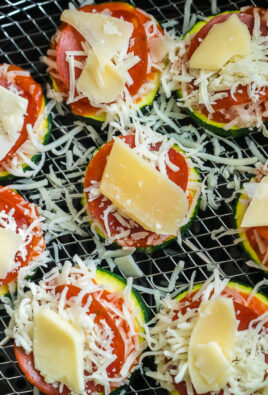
(12, 110)
(106, 35)
(257, 211)
(142, 192)
(211, 345)
(10, 243)
(58, 350)
(224, 41)
(101, 85)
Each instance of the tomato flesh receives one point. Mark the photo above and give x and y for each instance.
(98, 206)
(32, 91)
(26, 361)
(23, 216)
(244, 314)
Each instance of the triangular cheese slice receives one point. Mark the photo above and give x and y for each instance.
(223, 41)
(105, 34)
(101, 85)
(211, 345)
(10, 243)
(58, 350)
(142, 192)
(257, 211)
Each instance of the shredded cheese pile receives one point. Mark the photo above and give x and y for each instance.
(98, 337)
(169, 342)
(249, 71)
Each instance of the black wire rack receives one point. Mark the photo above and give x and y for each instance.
(25, 32)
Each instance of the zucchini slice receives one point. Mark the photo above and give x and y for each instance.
(193, 196)
(114, 284)
(258, 305)
(200, 118)
(139, 74)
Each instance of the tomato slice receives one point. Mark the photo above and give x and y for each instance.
(25, 214)
(26, 361)
(70, 39)
(32, 91)
(244, 314)
(98, 206)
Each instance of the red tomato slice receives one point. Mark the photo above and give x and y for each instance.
(97, 207)
(23, 216)
(26, 362)
(32, 91)
(263, 231)
(244, 314)
(70, 39)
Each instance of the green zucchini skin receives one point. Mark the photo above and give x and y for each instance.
(201, 119)
(205, 123)
(35, 159)
(152, 249)
(239, 211)
(135, 294)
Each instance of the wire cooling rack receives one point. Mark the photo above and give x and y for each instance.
(26, 29)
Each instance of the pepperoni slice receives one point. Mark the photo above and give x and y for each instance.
(25, 214)
(26, 361)
(32, 91)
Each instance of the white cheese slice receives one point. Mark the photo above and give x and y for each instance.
(142, 192)
(101, 85)
(257, 211)
(106, 35)
(224, 41)
(58, 350)
(211, 345)
(210, 363)
(128, 266)
(12, 110)
(10, 243)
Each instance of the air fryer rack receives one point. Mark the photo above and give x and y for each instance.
(25, 32)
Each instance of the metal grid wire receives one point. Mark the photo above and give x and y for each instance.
(26, 29)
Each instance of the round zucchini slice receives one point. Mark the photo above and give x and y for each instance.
(245, 313)
(145, 84)
(111, 283)
(202, 119)
(151, 241)
(43, 136)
